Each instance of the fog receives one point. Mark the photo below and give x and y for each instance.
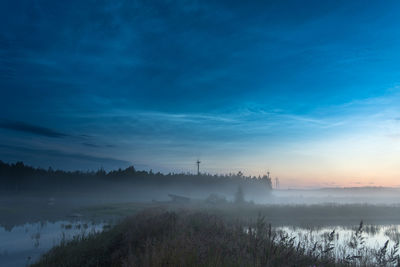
(33, 195)
(354, 195)
(42, 208)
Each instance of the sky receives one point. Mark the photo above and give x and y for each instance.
(308, 90)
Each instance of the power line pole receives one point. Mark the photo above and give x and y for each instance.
(276, 182)
(198, 167)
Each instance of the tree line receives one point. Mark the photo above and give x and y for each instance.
(19, 177)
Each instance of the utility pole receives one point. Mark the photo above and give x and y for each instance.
(276, 183)
(198, 166)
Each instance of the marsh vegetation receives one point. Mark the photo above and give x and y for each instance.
(161, 238)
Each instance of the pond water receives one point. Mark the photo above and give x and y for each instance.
(373, 237)
(23, 245)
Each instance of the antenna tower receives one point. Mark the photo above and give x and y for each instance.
(198, 166)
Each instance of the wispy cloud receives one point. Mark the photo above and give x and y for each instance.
(90, 144)
(59, 158)
(31, 129)
(94, 145)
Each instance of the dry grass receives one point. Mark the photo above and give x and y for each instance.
(160, 238)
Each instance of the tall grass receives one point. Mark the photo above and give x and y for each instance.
(161, 238)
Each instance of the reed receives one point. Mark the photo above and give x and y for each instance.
(157, 237)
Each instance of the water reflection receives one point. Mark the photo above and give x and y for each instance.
(373, 237)
(24, 244)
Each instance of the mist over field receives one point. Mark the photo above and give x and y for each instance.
(79, 210)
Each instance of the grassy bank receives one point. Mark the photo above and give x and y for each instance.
(161, 238)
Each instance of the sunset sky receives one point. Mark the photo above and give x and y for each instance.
(309, 90)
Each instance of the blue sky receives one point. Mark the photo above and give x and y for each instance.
(306, 89)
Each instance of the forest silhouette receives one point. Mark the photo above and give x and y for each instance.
(18, 177)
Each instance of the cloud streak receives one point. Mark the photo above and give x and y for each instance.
(59, 158)
(31, 129)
